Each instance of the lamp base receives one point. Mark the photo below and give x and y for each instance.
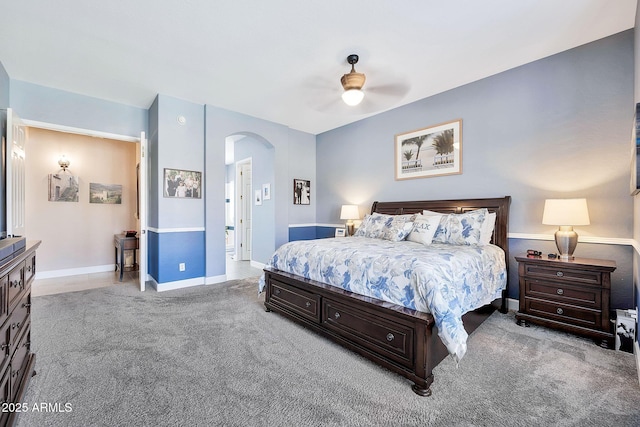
(349, 227)
(566, 241)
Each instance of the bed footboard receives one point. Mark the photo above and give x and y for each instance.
(402, 340)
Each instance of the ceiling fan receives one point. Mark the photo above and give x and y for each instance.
(385, 86)
(352, 83)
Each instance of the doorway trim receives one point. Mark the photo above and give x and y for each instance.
(239, 215)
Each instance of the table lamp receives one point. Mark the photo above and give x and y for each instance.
(566, 213)
(349, 212)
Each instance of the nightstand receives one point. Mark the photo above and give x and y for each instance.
(572, 296)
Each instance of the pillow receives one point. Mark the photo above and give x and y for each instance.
(424, 227)
(487, 228)
(441, 231)
(388, 227)
(464, 229)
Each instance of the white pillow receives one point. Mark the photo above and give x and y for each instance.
(487, 229)
(424, 227)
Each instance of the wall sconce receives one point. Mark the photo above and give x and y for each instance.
(566, 213)
(349, 212)
(64, 162)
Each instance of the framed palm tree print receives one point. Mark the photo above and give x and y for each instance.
(431, 151)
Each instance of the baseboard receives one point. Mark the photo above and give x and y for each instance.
(513, 304)
(74, 271)
(178, 284)
(257, 264)
(215, 279)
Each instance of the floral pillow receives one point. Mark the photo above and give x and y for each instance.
(462, 229)
(465, 229)
(424, 227)
(388, 227)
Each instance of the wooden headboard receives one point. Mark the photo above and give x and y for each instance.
(499, 205)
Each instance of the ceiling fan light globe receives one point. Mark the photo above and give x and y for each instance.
(352, 97)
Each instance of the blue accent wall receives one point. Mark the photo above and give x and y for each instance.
(311, 232)
(168, 250)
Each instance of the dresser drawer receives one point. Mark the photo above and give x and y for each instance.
(29, 268)
(16, 285)
(563, 273)
(390, 339)
(19, 362)
(295, 300)
(20, 317)
(583, 296)
(564, 313)
(5, 345)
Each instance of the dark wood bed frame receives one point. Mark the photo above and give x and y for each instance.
(402, 340)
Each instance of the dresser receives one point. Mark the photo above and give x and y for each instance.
(18, 363)
(572, 296)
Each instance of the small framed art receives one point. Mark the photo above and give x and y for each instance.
(301, 192)
(340, 232)
(182, 184)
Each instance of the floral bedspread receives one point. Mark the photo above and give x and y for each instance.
(442, 279)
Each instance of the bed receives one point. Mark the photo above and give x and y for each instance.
(402, 339)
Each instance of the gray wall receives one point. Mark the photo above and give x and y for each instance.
(262, 157)
(287, 144)
(48, 105)
(555, 128)
(636, 202)
(4, 87)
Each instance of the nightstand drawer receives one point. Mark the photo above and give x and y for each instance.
(583, 296)
(564, 273)
(564, 313)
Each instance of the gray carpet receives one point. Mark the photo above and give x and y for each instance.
(211, 356)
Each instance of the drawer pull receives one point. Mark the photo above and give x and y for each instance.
(25, 305)
(15, 325)
(277, 291)
(308, 304)
(560, 292)
(559, 310)
(559, 274)
(337, 315)
(390, 336)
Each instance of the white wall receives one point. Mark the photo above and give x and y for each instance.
(77, 237)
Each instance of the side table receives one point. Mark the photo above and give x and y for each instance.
(123, 243)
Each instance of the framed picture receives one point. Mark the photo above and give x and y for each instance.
(182, 184)
(635, 153)
(63, 187)
(257, 199)
(427, 152)
(266, 191)
(107, 194)
(301, 192)
(340, 232)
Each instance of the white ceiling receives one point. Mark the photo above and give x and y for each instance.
(281, 60)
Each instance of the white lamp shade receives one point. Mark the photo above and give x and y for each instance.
(349, 212)
(565, 212)
(352, 97)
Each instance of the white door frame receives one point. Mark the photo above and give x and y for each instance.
(241, 200)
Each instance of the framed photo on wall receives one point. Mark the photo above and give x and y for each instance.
(428, 152)
(63, 187)
(182, 184)
(301, 192)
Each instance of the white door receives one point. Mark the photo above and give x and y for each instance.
(15, 197)
(142, 211)
(244, 215)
